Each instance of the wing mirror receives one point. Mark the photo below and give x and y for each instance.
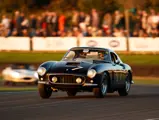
(117, 62)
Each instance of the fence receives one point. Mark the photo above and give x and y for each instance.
(135, 44)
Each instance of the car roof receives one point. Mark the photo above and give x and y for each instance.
(95, 48)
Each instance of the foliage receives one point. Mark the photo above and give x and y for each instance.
(59, 5)
(65, 6)
(152, 4)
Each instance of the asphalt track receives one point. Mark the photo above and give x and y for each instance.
(141, 104)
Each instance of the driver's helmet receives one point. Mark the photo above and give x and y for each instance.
(82, 55)
(101, 55)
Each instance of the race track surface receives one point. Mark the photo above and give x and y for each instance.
(141, 104)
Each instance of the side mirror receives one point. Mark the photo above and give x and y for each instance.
(117, 62)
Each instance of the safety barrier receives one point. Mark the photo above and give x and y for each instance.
(135, 44)
(53, 43)
(144, 44)
(15, 43)
(117, 44)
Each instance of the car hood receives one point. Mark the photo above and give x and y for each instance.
(25, 72)
(71, 67)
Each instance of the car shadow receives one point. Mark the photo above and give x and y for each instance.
(109, 96)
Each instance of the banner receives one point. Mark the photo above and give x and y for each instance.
(53, 43)
(15, 43)
(114, 43)
(148, 44)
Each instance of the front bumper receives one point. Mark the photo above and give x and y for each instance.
(25, 79)
(69, 81)
(68, 84)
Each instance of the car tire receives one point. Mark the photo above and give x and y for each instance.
(71, 93)
(125, 90)
(45, 91)
(101, 91)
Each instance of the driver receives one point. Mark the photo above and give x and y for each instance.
(101, 56)
(82, 55)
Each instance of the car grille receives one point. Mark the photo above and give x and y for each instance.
(66, 78)
(27, 78)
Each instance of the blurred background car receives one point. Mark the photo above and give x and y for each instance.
(19, 73)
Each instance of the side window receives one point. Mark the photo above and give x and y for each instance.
(113, 57)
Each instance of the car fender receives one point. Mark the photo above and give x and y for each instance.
(47, 65)
(103, 67)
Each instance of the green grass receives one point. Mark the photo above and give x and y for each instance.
(12, 89)
(24, 57)
(140, 59)
(38, 57)
(146, 82)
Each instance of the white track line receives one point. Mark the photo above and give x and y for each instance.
(152, 119)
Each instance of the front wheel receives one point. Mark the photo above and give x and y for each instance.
(101, 91)
(45, 91)
(126, 89)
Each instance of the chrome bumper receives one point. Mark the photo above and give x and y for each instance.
(85, 84)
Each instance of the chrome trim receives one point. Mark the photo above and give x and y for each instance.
(90, 84)
(43, 82)
(66, 74)
(132, 82)
(61, 74)
(79, 67)
(66, 84)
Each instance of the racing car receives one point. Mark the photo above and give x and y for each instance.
(92, 69)
(19, 73)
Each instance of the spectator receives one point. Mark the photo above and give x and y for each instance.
(5, 22)
(82, 24)
(54, 21)
(33, 25)
(61, 23)
(75, 18)
(107, 22)
(95, 18)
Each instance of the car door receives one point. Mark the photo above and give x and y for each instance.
(117, 69)
(122, 70)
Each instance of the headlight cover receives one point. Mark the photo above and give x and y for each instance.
(41, 71)
(15, 74)
(91, 73)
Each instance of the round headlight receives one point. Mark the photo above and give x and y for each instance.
(78, 80)
(91, 73)
(15, 74)
(54, 79)
(41, 71)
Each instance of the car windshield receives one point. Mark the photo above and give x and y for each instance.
(22, 66)
(86, 55)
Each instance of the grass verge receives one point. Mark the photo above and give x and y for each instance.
(12, 89)
(146, 80)
(39, 57)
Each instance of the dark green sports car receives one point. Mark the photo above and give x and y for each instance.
(97, 70)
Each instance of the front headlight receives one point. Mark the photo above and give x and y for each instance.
(41, 71)
(15, 74)
(91, 73)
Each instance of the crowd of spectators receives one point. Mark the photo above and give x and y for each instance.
(145, 24)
